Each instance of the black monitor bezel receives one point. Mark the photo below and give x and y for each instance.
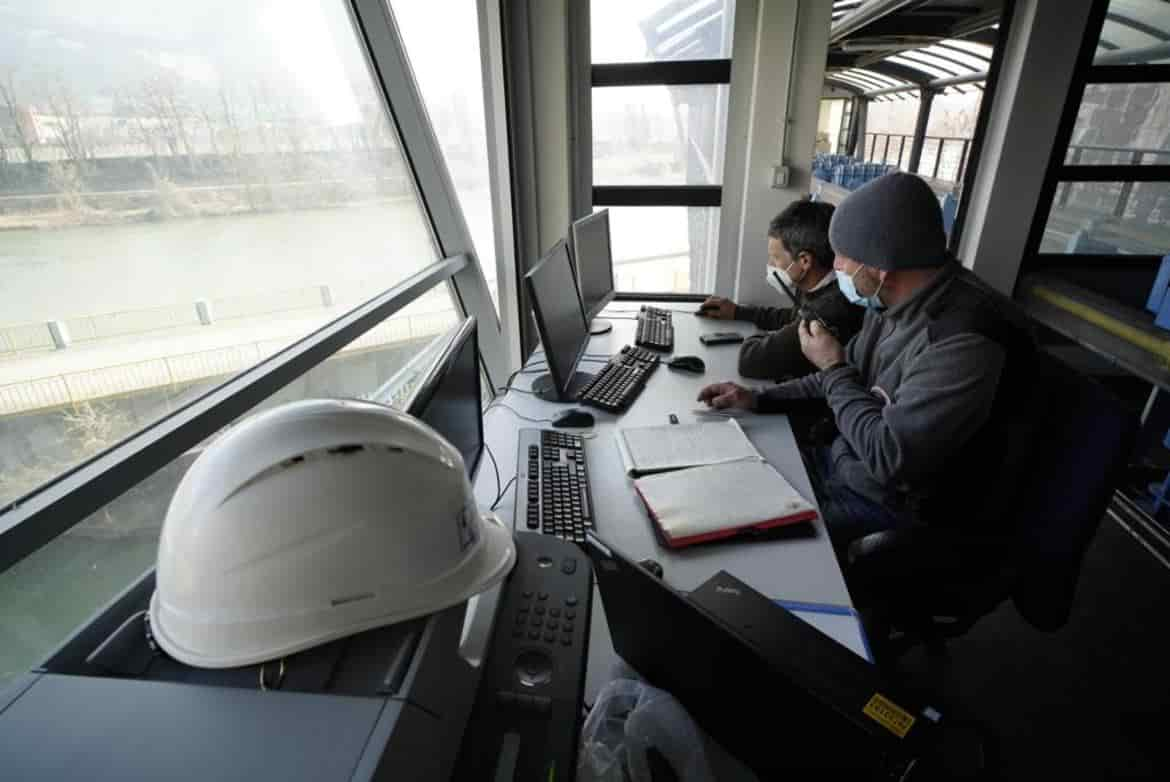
(598, 216)
(440, 369)
(559, 383)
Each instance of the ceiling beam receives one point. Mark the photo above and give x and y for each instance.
(864, 15)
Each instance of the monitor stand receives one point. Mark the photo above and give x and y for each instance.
(543, 387)
(599, 326)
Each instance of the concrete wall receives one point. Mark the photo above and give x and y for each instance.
(777, 43)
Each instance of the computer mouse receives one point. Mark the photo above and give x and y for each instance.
(688, 364)
(573, 419)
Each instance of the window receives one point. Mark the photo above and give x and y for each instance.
(640, 30)
(1109, 218)
(47, 595)
(1135, 32)
(187, 192)
(658, 248)
(1111, 190)
(1122, 124)
(442, 40)
(659, 121)
(659, 135)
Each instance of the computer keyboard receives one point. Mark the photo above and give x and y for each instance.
(552, 485)
(620, 381)
(655, 329)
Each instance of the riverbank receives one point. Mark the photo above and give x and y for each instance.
(167, 202)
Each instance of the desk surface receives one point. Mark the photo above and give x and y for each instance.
(802, 569)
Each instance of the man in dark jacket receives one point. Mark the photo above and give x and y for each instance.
(912, 394)
(800, 258)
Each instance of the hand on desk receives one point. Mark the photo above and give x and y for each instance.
(723, 395)
(718, 308)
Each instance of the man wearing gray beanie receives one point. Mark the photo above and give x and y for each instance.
(913, 396)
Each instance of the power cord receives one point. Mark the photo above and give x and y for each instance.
(496, 468)
(516, 413)
(501, 495)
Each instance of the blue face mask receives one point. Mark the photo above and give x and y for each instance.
(845, 283)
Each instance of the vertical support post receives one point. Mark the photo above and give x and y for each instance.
(203, 310)
(963, 160)
(1126, 188)
(886, 149)
(60, 334)
(926, 100)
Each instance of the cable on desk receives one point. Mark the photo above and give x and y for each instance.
(516, 413)
(501, 495)
(495, 467)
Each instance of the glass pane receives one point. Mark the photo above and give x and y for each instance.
(659, 135)
(442, 41)
(664, 249)
(46, 596)
(1122, 124)
(206, 186)
(1109, 217)
(1135, 31)
(640, 30)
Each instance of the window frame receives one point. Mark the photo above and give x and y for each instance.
(1058, 171)
(587, 195)
(32, 521)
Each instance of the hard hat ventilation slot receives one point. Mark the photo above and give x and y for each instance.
(292, 461)
(343, 449)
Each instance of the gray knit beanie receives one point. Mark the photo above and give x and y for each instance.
(893, 222)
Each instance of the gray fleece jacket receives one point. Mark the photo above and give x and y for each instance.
(905, 401)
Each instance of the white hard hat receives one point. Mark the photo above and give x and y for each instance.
(312, 521)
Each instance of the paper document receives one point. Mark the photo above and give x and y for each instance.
(652, 449)
(720, 500)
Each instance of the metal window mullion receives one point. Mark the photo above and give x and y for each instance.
(35, 520)
(436, 189)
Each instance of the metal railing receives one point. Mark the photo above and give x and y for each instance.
(1099, 154)
(943, 157)
(71, 388)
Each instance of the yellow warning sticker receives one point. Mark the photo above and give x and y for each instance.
(889, 715)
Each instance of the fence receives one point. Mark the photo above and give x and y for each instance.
(75, 387)
(943, 157)
(60, 334)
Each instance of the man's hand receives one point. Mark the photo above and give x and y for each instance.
(819, 346)
(724, 395)
(718, 308)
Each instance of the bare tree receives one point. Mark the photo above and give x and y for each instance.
(67, 125)
(163, 100)
(11, 100)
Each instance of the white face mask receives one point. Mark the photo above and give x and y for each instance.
(775, 281)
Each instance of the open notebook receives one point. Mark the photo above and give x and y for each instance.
(651, 449)
(720, 501)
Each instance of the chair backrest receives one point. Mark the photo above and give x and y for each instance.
(1080, 447)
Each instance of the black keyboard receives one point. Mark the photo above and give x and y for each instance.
(552, 485)
(655, 329)
(620, 381)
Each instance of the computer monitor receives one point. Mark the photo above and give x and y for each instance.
(593, 254)
(448, 398)
(556, 303)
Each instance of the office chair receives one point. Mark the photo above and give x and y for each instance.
(930, 583)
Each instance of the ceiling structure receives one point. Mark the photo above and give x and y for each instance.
(890, 49)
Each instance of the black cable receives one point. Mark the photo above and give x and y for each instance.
(500, 496)
(516, 413)
(495, 466)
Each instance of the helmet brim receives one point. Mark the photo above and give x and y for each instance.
(487, 567)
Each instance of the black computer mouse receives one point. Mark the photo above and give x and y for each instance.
(573, 419)
(688, 364)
